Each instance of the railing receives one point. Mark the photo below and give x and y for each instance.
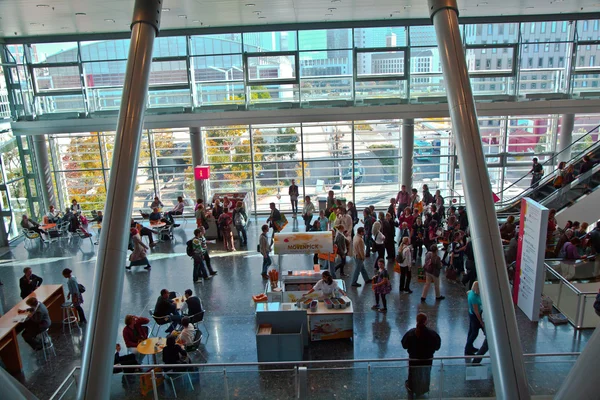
(451, 377)
(547, 176)
(573, 303)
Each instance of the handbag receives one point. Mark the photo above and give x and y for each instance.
(81, 288)
(396, 267)
(451, 274)
(281, 224)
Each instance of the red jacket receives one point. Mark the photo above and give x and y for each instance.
(139, 332)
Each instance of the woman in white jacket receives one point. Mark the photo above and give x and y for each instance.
(405, 254)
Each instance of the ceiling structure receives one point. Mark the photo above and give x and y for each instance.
(22, 18)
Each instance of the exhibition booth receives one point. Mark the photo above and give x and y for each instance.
(289, 319)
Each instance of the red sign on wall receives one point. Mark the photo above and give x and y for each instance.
(201, 172)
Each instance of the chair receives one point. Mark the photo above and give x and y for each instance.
(94, 214)
(194, 347)
(63, 229)
(165, 230)
(158, 322)
(198, 319)
(31, 236)
(173, 376)
(68, 317)
(47, 344)
(84, 235)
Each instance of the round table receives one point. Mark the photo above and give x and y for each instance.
(45, 227)
(147, 347)
(179, 302)
(158, 224)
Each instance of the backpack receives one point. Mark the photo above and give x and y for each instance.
(189, 250)
(238, 219)
(81, 288)
(400, 256)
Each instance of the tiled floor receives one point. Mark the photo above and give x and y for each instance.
(230, 320)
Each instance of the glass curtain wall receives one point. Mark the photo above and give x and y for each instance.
(306, 68)
(359, 160)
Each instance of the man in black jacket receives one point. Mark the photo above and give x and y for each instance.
(29, 282)
(166, 307)
(192, 304)
(37, 322)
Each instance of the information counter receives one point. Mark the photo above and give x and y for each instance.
(292, 287)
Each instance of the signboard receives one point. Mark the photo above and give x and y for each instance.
(201, 172)
(529, 270)
(330, 326)
(303, 243)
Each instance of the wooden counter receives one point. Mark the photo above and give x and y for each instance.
(53, 297)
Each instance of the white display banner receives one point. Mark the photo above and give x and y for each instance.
(303, 243)
(530, 272)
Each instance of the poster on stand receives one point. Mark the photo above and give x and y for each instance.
(303, 243)
(529, 270)
(331, 326)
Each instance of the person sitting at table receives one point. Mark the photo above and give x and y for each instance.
(192, 304)
(37, 322)
(30, 224)
(29, 282)
(155, 216)
(143, 231)
(156, 203)
(177, 210)
(138, 256)
(98, 218)
(166, 307)
(129, 359)
(75, 207)
(53, 215)
(327, 286)
(135, 332)
(188, 333)
(174, 354)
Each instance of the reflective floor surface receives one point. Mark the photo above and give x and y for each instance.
(230, 321)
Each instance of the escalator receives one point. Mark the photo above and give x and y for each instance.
(545, 193)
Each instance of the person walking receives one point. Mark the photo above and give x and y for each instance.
(471, 276)
(475, 324)
(402, 200)
(421, 343)
(264, 247)
(537, 171)
(359, 258)
(240, 220)
(389, 231)
(205, 253)
(381, 286)
(294, 193)
(432, 267)
(75, 294)
(274, 219)
(378, 243)
(307, 212)
(405, 259)
(368, 222)
(341, 241)
(138, 256)
(196, 251)
(224, 223)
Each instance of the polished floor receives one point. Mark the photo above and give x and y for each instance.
(230, 321)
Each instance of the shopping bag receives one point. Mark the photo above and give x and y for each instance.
(396, 267)
(146, 380)
(281, 224)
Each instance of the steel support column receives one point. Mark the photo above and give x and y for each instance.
(510, 379)
(582, 381)
(101, 333)
(407, 150)
(565, 138)
(197, 156)
(44, 172)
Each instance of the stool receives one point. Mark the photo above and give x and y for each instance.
(47, 344)
(68, 316)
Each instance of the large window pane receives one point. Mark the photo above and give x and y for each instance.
(54, 52)
(380, 63)
(380, 37)
(105, 50)
(57, 78)
(270, 41)
(168, 72)
(530, 134)
(487, 33)
(107, 73)
(225, 43)
(268, 68)
(169, 46)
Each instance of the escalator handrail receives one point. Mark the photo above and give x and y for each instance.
(547, 177)
(552, 158)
